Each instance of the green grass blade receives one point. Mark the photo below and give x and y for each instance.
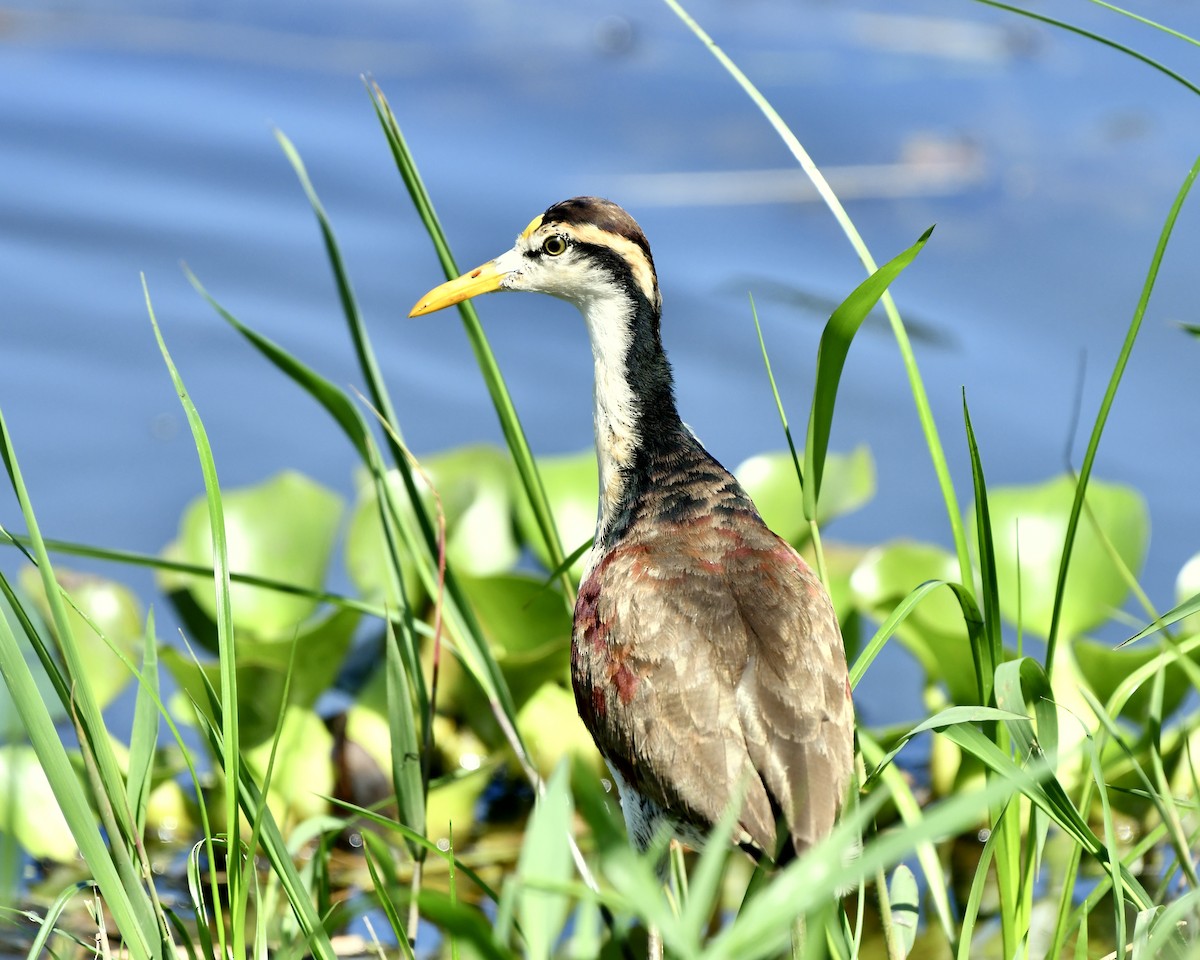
(1174, 615)
(69, 793)
(916, 385)
(545, 861)
(407, 779)
(1135, 324)
(376, 864)
(1100, 38)
(230, 750)
(990, 652)
(966, 602)
(126, 896)
(834, 347)
(143, 738)
(510, 423)
(136, 559)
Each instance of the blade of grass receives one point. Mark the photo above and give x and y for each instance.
(1135, 324)
(230, 751)
(112, 867)
(510, 423)
(143, 737)
(916, 385)
(832, 351)
(136, 559)
(966, 601)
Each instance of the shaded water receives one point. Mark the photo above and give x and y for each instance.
(134, 135)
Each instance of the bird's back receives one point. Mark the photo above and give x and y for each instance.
(706, 658)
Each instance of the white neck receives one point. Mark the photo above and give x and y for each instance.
(608, 321)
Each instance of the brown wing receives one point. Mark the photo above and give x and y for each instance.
(694, 672)
(794, 693)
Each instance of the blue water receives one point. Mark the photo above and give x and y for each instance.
(134, 136)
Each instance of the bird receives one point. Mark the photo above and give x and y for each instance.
(706, 657)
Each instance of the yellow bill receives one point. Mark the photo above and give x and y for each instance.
(484, 279)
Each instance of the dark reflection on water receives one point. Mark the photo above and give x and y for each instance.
(136, 135)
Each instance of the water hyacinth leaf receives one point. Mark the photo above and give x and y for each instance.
(545, 861)
(906, 908)
(282, 529)
(934, 632)
(113, 609)
(451, 806)
(28, 811)
(11, 728)
(771, 481)
(550, 726)
(571, 482)
(366, 553)
(262, 673)
(302, 775)
(1029, 525)
(527, 627)
(475, 484)
(1104, 669)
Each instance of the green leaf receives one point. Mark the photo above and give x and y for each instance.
(549, 724)
(1187, 610)
(261, 668)
(545, 862)
(109, 606)
(906, 908)
(407, 768)
(771, 481)
(831, 357)
(571, 482)
(1029, 527)
(283, 529)
(11, 727)
(527, 628)
(934, 632)
(28, 810)
(475, 484)
(1104, 669)
(368, 558)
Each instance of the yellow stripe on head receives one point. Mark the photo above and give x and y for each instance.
(533, 225)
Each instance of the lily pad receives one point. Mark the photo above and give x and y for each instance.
(35, 819)
(571, 482)
(934, 632)
(1029, 525)
(262, 673)
(1105, 668)
(282, 529)
(11, 726)
(550, 726)
(475, 487)
(113, 608)
(771, 481)
(303, 772)
(527, 626)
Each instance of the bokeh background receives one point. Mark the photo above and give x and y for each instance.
(136, 135)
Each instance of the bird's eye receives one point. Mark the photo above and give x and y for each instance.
(554, 246)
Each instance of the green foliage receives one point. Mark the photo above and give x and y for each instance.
(1029, 529)
(1053, 758)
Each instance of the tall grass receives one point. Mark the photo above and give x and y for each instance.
(1032, 796)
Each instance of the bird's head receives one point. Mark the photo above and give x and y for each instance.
(583, 250)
